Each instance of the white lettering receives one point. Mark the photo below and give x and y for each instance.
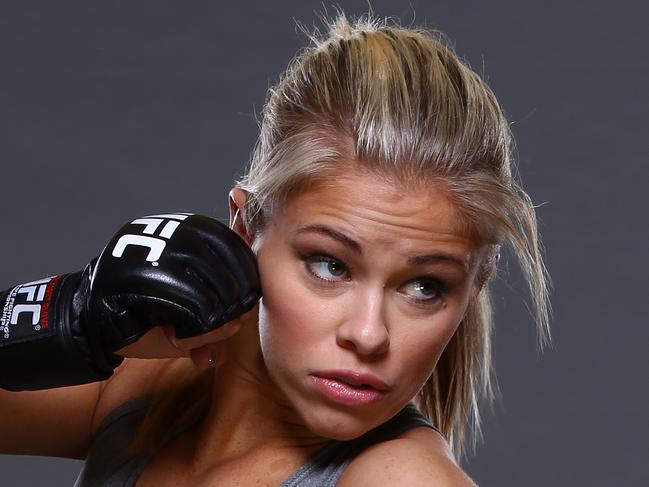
(30, 290)
(172, 216)
(40, 281)
(155, 245)
(169, 229)
(34, 292)
(35, 309)
(151, 223)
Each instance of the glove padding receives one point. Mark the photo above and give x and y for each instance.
(187, 270)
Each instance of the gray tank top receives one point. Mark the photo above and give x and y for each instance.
(108, 465)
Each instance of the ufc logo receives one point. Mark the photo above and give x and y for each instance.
(155, 244)
(34, 293)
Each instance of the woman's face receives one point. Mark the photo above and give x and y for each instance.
(360, 277)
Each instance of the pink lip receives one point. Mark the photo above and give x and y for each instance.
(354, 378)
(362, 389)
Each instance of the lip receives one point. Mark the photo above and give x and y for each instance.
(349, 388)
(354, 378)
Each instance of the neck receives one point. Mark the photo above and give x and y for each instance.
(248, 414)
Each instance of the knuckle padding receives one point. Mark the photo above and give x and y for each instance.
(241, 260)
(224, 280)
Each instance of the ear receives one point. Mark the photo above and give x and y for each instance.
(487, 268)
(236, 200)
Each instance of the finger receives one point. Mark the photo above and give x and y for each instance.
(154, 344)
(251, 317)
(222, 333)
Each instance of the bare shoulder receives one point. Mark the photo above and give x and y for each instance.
(420, 457)
(136, 378)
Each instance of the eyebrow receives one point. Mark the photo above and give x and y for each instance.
(356, 247)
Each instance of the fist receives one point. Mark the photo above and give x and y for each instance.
(183, 271)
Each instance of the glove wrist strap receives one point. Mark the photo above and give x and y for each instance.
(44, 341)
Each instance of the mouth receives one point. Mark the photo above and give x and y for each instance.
(353, 378)
(349, 387)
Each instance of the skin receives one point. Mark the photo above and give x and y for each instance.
(327, 306)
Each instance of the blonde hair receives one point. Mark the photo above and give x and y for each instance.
(398, 101)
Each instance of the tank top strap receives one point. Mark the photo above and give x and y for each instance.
(326, 466)
(109, 463)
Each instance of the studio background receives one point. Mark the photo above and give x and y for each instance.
(110, 110)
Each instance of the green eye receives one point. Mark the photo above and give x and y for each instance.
(325, 267)
(426, 290)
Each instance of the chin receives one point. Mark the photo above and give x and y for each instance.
(339, 433)
(338, 424)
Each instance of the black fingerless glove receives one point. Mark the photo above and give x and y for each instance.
(187, 270)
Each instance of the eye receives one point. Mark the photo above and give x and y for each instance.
(427, 291)
(325, 267)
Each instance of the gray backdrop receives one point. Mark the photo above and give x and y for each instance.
(114, 109)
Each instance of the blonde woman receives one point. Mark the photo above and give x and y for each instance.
(370, 221)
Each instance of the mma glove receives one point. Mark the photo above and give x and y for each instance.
(180, 269)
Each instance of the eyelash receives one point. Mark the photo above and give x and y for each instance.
(440, 287)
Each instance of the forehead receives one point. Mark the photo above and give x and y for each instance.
(378, 208)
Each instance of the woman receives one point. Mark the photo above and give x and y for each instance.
(376, 202)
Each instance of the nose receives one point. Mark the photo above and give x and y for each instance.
(364, 329)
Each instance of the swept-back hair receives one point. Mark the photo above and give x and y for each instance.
(399, 101)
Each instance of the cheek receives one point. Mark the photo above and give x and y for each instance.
(420, 346)
(290, 321)
(424, 345)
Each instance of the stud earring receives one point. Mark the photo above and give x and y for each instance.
(212, 359)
